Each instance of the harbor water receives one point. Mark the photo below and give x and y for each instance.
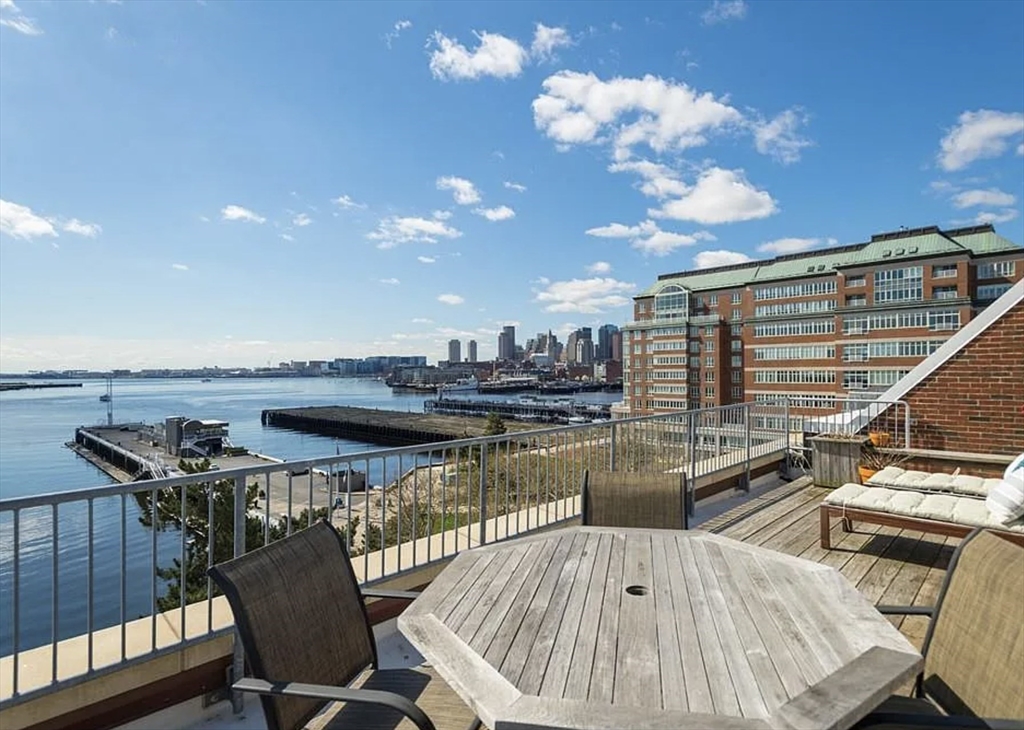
(35, 425)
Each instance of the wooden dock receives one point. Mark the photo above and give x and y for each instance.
(388, 428)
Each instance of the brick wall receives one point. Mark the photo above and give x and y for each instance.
(975, 401)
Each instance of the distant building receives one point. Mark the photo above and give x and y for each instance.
(816, 327)
(617, 346)
(603, 351)
(454, 352)
(507, 343)
(471, 351)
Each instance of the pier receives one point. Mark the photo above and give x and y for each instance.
(387, 428)
(538, 411)
(36, 386)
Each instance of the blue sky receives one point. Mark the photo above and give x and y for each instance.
(190, 183)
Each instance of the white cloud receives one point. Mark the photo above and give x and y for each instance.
(396, 30)
(501, 213)
(979, 135)
(11, 16)
(81, 228)
(578, 108)
(1020, 149)
(19, 221)
(789, 245)
(515, 186)
(426, 259)
(599, 267)
(720, 196)
(546, 40)
(442, 215)
(452, 299)
(1003, 216)
(397, 229)
(463, 190)
(179, 267)
(588, 296)
(301, 220)
(422, 320)
(392, 281)
(992, 196)
(286, 236)
(344, 201)
(495, 55)
(238, 213)
(724, 10)
(649, 238)
(778, 137)
(659, 181)
(709, 259)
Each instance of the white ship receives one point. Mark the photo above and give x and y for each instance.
(462, 385)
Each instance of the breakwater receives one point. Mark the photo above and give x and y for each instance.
(36, 386)
(384, 427)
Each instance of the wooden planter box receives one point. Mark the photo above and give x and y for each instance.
(834, 461)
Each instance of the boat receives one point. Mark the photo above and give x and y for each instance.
(105, 398)
(461, 385)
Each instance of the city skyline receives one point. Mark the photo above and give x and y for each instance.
(187, 183)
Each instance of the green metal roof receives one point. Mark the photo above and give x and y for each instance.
(882, 248)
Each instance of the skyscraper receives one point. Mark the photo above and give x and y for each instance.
(471, 350)
(507, 343)
(454, 351)
(604, 342)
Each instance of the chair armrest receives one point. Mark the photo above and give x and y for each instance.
(906, 610)
(901, 721)
(402, 595)
(338, 694)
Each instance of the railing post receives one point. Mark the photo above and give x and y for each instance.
(906, 424)
(238, 658)
(611, 449)
(483, 494)
(691, 429)
(746, 421)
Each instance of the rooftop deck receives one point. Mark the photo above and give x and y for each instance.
(888, 565)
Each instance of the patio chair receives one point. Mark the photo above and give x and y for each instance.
(973, 648)
(626, 499)
(310, 648)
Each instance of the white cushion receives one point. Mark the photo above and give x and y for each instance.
(964, 485)
(1006, 501)
(965, 511)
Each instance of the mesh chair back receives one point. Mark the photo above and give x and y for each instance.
(624, 499)
(974, 651)
(301, 617)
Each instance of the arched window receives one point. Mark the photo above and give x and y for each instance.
(672, 302)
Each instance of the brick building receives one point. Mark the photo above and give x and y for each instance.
(815, 327)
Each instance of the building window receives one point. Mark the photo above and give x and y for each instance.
(853, 282)
(736, 315)
(855, 380)
(944, 292)
(899, 285)
(737, 345)
(713, 303)
(941, 321)
(855, 352)
(694, 376)
(791, 291)
(709, 346)
(996, 270)
(694, 346)
(795, 352)
(672, 302)
(737, 361)
(709, 392)
(709, 331)
(737, 330)
(737, 297)
(944, 271)
(709, 376)
(991, 292)
(856, 300)
(709, 361)
(737, 393)
(775, 310)
(737, 376)
(795, 376)
(795, 329)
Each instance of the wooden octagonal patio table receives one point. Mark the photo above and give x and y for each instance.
(595, 627)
